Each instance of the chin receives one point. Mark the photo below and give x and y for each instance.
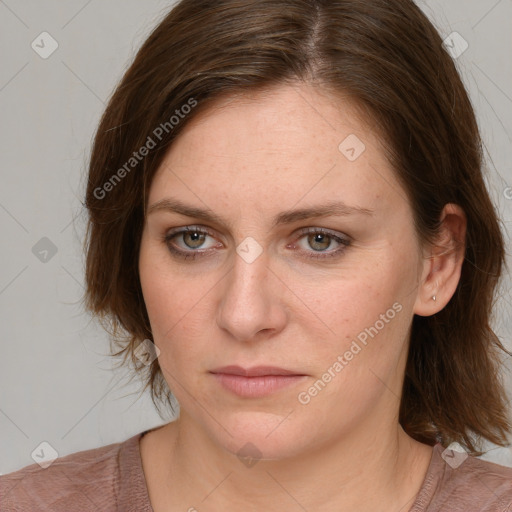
(261, 435)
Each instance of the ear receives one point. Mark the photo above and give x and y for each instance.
(443, 263)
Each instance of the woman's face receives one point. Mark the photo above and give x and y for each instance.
(264, 281)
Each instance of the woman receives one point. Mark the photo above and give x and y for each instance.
(289, 230)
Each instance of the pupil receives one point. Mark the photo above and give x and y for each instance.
(194, 236)
(321, 239)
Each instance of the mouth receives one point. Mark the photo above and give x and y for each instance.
(255, 382)
(255, 371)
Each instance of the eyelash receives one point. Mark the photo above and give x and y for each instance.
(193, 254)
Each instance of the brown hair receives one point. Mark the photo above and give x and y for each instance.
(386, 55)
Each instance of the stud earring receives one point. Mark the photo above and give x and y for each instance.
(434, 298)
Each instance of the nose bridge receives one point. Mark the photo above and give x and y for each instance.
(247, 280)
(248, 305)
(249, 266)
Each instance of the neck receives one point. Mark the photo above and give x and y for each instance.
(357, 472)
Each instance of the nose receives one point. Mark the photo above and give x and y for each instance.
(251, 306)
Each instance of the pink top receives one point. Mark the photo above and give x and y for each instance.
(110, 478)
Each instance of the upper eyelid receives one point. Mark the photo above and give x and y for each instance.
(185, 229)
(328, 231)
(209, 231)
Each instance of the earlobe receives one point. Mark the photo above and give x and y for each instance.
(429, 299)
(443, 269)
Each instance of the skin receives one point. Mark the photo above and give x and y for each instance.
(248, 159)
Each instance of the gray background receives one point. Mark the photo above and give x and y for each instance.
(58, 383)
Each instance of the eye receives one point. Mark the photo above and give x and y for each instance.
(184, 242)
(319, 240)
(191, 242)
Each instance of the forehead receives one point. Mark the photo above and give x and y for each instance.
(285, 144)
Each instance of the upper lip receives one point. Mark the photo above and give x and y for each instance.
(255, 371)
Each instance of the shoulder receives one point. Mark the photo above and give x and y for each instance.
(86, 480)
(458, 482)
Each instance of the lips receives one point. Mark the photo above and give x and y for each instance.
(255, 382)
(255, 371)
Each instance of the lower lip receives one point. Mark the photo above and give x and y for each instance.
(255, 387)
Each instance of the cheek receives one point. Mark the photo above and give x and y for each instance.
(352, 299)
(173, 305)
(168, 294)
(357, 362)
(366, 327)
(366, 317)
(179, 313)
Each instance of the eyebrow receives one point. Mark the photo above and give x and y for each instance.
(332, 208)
